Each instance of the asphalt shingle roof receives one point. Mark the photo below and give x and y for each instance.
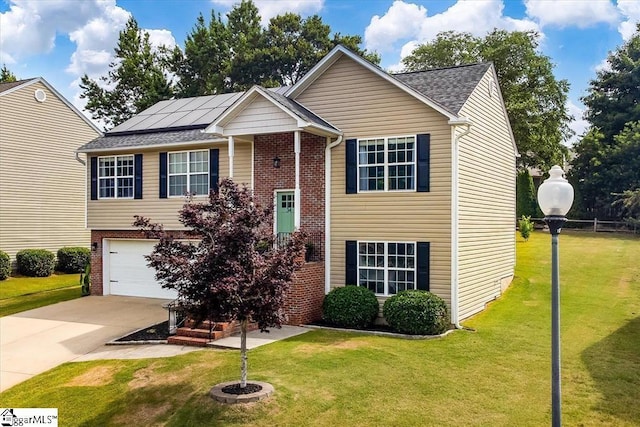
(449, 87)
(10, 85)
(299, 110)
(146, 139)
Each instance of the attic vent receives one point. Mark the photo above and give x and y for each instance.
(40, 95)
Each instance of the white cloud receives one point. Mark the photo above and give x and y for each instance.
(630, 9)
(270, 8)
(579, 125)
(409, 24)
(401, 21)
(569, 13)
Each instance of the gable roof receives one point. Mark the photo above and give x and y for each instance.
(449, 87)
(9, 87)
(304, 118)
(340, 51)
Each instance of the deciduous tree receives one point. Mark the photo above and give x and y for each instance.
(535, 100)
(223, 275)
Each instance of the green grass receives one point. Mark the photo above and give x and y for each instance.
(496, 376)
(25, 293)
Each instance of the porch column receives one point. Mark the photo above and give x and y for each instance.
(296, 193)
(231, 152)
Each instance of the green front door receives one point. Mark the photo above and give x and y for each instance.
(285, 212)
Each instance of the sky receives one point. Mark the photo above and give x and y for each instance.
(61, 40)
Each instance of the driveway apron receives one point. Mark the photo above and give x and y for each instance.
(37, 340)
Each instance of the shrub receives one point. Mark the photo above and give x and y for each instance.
(416, 313)
(5, 265)
(350, 307)
(525, 226)
(73, 259)
(35, 262)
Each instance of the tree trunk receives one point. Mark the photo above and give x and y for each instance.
(243, 353)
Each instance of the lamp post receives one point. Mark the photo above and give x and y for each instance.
(555, 197)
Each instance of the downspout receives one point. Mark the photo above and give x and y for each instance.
(455, 139)
(327, 211)
(86, 214)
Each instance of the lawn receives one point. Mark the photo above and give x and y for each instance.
(25, 293)
(498, 375)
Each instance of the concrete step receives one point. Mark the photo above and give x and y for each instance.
(199, 333)
(190, 341)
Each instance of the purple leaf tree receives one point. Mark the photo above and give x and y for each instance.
(226, 265)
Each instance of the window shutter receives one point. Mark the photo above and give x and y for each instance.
(423, 162)
(422, 266)
(137, 181)
(163, 175)
(352, 166)
(94, 178)
(351, 262)
(214, 169)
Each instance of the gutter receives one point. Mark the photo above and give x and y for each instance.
(455, 140)
(327, 211)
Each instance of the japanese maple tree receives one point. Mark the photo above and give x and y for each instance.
(226, 266)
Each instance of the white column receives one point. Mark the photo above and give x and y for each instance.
(231, 152)
(296, 149)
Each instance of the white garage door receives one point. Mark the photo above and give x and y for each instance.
(128, 273)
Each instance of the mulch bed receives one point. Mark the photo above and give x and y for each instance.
(157, 332)
(372, 328)
(237, 390)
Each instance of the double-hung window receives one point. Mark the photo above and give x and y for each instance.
(387, 164)
(387, 268)
(115, 177)
(189, 173)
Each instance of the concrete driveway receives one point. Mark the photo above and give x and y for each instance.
(37, 340)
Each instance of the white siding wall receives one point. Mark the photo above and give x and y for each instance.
(486, 201)
(261, 116)
(42, 186)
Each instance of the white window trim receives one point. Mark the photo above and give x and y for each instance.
(116, 176)
(386, 263)
(188, 173)
(386, 164)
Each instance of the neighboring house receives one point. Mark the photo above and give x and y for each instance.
(408, 180)
(42, 184)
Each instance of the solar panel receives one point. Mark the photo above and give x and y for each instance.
(197, 111)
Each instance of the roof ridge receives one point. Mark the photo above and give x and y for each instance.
(473, 64)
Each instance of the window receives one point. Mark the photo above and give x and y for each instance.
(115, 177)
(189, 173)
(387, 268)
(387, 164)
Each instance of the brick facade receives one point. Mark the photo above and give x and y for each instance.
(304, 303)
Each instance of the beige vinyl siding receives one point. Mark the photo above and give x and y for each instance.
(261, 116)
(486, 201)
(118, 214)
(42, 186)
(363, 105)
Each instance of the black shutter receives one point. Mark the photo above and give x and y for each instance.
(352, 166)
(422, 266)
(163, 175)
(94, 178)
(351, 262)
(214, 169)
(137, 181)
(423, 162)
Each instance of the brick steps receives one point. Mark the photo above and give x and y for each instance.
(202, 333)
